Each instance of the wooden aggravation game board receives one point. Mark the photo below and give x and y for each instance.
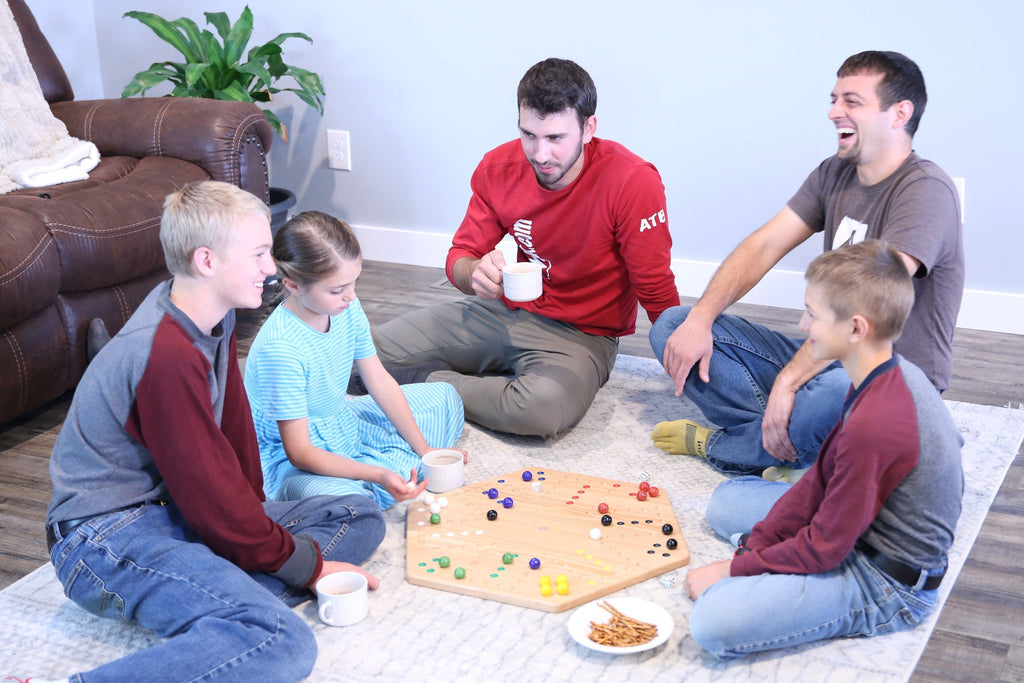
(554, 521)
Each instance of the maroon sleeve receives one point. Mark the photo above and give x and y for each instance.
(213, 485)
(843, 492)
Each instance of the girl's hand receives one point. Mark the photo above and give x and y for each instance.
(399, 488)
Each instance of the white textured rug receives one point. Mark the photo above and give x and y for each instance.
(420, 634)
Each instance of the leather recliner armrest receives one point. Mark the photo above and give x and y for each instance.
(229, 140)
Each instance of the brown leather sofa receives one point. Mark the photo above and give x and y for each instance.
(91, 249)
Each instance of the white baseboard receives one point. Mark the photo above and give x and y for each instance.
(980, 310)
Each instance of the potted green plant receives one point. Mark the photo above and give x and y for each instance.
(213, 66)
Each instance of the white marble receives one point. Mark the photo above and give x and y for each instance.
(414, 633)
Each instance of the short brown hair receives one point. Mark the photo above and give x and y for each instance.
(901, 80)
(311, 246)
(201, 214)
(868, 279)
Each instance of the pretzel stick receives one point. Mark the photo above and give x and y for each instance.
(621, 630)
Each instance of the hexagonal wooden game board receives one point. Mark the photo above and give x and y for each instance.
(554, 526)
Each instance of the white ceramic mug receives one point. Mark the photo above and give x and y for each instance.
(522, 281)
(341, 598)
(443, 469)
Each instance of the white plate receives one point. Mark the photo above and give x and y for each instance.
(641, 610)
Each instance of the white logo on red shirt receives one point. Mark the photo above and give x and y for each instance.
(522, 232)
(653, 221)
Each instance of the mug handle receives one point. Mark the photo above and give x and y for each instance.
(323, 613)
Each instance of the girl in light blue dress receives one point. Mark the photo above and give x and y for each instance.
(314, 440)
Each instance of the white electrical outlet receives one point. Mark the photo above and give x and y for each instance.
(339, 154)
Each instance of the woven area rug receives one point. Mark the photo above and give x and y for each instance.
(420, 634)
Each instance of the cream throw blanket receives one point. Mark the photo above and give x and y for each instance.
(35, 148)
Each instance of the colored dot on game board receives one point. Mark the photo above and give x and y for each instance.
(507, 502)
(527, 475)
(671, 544)
(492, 515)
(534, 563)
(444, 562)
(602, 508)
(606, 520)
(460, 573)
(507, 558)
(435, 518)
(492, 493)
(667, 529)
(494, 576)
(423, 564)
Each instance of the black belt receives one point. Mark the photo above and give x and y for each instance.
(904, 573)
(66, 526)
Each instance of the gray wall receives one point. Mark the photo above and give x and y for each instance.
(728, 99)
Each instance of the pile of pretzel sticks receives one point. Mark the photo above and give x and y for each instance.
(621, 631)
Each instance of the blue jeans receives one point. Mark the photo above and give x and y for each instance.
(145, 565)
(744, 614)
(744, 364)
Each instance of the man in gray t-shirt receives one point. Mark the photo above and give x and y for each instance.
(773, 403)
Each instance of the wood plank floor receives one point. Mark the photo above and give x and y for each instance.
(980, 634)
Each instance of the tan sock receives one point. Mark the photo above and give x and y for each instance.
(682, 437)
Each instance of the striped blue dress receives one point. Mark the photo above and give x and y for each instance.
(294, 371)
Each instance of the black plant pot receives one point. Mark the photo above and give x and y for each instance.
(282, 202)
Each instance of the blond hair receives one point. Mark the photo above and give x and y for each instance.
(868, 279)
(201, 214)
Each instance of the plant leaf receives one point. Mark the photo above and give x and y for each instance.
(194, 72)
(163, 29)
(238, 38)
(144, 80)
(276, 124)
(220, 22)
(188, 29)
(233, 91)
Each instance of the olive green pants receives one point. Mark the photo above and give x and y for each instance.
(515, 371)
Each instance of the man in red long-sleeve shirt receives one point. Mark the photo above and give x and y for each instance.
(593, 215)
